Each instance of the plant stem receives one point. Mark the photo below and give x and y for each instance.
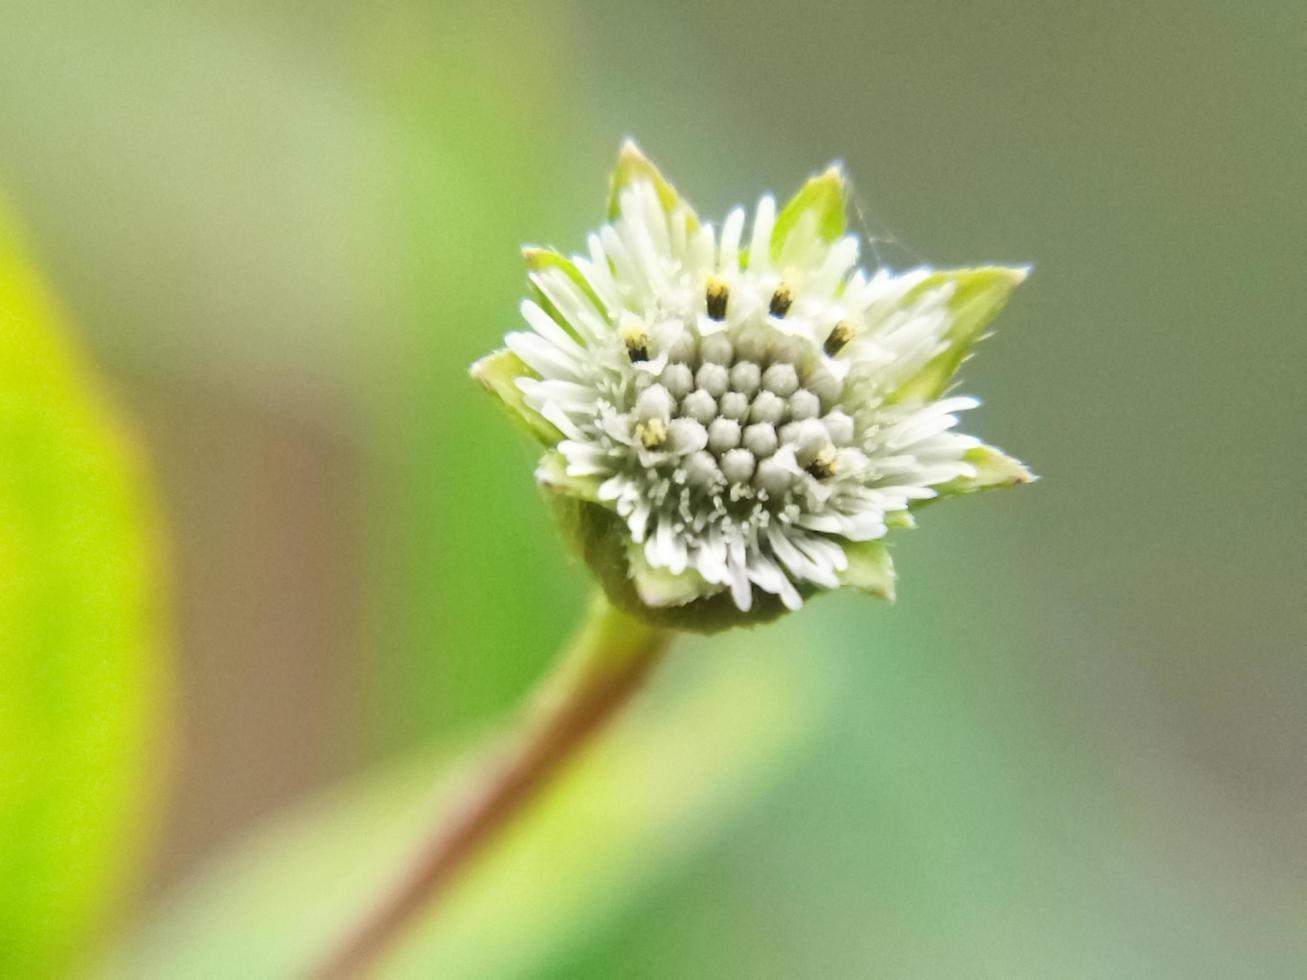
(604, 665)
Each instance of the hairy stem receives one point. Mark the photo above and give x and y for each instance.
(604, 665)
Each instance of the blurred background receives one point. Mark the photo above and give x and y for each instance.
(1074, 748)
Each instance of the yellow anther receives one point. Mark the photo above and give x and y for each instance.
(824, 463)
(839, 337)
(636, 340)
(652, 433)
(781, 300)
(716, 294)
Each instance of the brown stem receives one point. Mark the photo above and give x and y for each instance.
(605, 665)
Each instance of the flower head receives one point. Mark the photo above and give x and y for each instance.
(736, 418)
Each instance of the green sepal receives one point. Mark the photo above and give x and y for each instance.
(498, 373)
(994, 470)
(551, 473)
(633, 166)
(870, 568)
(978, 294)
(823, 197)
(659, 588)
(900, 520)
(600, 538)
(538, 260)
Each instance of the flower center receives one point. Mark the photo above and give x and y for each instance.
(744, 418)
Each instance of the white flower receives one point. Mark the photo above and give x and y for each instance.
(755, 408)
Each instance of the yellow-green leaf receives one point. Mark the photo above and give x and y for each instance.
(80, 643)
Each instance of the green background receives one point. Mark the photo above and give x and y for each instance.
(1075, 746)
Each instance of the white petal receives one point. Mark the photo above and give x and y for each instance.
(760, 242)
(729, 257)
(543, 357)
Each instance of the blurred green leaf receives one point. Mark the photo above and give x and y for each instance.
(79, 636)
(642, 800)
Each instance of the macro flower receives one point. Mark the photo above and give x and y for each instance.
(734, 419)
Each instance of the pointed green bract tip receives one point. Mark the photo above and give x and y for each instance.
(870, 569)
(552, 475)
(632, 167)
(976, 296)
(994, 470)
(535, 257)
(820, 202)
(498, 374)
(662, 589)
(601, 539)
(540, 260)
